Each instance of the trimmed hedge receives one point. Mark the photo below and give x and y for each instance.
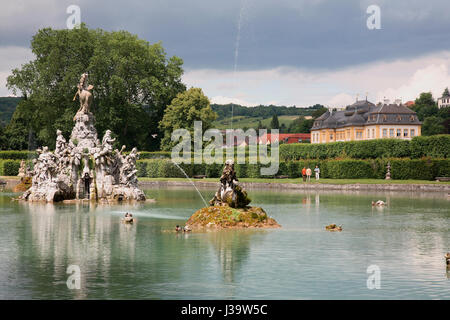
(17, 155)
(414, 169)
(11, 167)
(433, 146)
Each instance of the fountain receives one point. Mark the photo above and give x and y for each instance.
(84, 168)
(229, 207)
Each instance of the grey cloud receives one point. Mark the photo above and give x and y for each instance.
(305, 34)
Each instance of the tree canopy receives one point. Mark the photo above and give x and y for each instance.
(188, 107)
(133, 83)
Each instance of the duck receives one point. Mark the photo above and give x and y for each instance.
(447, 258)
(128, 218)
(333, 227)
(379, 203)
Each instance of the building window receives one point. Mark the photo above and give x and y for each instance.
(373, 133)
(399, 133)
(384, 117)
(368, 133)
(331, 136)
(391, 132)
(413, 133)
(411, 118)
(405, 132)
(384, 133)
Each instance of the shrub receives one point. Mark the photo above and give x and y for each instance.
(10, 167)
(433, 146)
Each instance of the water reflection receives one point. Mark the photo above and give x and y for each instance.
(407, 239)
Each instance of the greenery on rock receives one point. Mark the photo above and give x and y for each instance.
(220, 217)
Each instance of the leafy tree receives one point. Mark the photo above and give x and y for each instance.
(319, 112)
(133, 82)
(425, 106)
(432, 125)
(301, 125)
(446, 93)
(274, 123)
(186, 108)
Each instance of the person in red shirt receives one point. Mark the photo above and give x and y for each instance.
(304, 173)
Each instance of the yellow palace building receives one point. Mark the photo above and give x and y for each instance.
(364, 120)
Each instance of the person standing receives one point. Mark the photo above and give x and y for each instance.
(308, 174)
(304, 174)
(317, 172)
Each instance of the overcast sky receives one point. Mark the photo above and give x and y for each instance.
(286, 52)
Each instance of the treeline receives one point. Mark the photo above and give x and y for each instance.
(224, 111)
(7, 107)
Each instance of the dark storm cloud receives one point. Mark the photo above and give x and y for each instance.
(305, 34)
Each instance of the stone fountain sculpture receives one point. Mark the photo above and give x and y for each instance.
(230, 193)
(230, 207)
(84, 167)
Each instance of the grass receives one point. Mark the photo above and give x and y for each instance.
(299, 181)
(251, 122)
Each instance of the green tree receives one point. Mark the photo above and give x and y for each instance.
(425, 106)
(319, 112)
(446, 93)
(301, 125)
(274, 123)
(432, 125)
(133, 82)
(186, 108)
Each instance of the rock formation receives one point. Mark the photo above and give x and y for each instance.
(84, 168)
(229, 207)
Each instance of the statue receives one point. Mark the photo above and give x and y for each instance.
(83, 168)
(84, 94)
(230, 193)
(22, 169)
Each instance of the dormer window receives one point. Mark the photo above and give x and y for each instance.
(411, 118)
(384, 117)
(399, 118)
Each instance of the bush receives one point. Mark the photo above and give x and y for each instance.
(17, 155)
(10, 167)
(433, 146)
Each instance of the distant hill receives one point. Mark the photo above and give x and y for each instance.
(7, 107)
(249, 117)
(224, 111)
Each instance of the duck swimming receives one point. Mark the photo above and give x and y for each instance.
(379, 203)
(333, 227)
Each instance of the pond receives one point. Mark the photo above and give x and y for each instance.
(405, 241)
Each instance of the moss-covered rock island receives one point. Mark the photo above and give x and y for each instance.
(229, 207)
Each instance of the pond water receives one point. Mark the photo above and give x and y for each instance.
(406, 240)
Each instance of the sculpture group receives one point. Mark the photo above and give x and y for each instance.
(84, 167)
(230, 193)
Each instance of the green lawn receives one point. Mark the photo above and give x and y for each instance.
(251, 122)
(299, 180)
